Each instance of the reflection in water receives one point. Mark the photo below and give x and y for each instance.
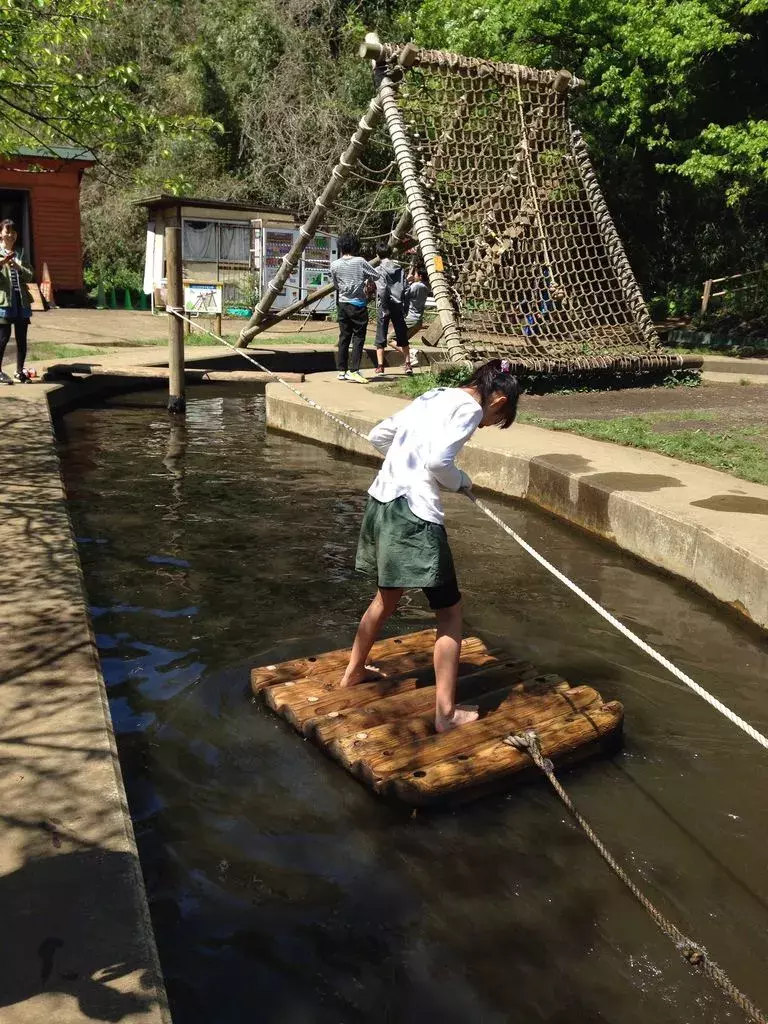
(281, 891)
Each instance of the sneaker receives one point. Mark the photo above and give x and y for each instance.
(379, 371)
(357, 377)
(5, 379)
(343, 375)
(21, 377)
(408, 370)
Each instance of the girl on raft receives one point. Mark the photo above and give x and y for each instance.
(403, 543)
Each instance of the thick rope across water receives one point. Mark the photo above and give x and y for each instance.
(691, 951)
(699, 690)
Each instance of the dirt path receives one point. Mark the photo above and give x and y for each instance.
(726, 405)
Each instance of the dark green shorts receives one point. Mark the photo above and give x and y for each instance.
(397, 549)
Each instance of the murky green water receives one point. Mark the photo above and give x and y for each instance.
(281, 891)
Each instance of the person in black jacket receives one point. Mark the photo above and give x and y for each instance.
(15, 301)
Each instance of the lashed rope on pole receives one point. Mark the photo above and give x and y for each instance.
(691, 951)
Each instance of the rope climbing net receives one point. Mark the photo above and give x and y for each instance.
(536, 268)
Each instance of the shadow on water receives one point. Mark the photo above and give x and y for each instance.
(280, 890)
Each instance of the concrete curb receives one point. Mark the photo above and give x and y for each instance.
(557, 472)
(74, 907)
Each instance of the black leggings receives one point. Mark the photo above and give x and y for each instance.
(353, 321)
(20, 329)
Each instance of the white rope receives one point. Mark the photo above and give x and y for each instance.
(265, 369)
(718, 705)
(758, 737)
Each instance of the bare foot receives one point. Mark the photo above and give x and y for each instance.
(369, 674)
(461, 716)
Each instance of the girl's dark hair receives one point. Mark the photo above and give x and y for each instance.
(495, 376)
(349, 244)
(383, 251)
(8, 224)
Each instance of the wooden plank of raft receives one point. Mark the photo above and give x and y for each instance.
(350, 720)
(304, 701)
(565, 738)
(332, 661)
(408, 745)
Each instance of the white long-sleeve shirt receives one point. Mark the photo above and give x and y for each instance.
(420, 443)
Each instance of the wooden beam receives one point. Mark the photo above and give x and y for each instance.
(177, 402)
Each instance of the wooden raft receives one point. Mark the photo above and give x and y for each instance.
(383, 732)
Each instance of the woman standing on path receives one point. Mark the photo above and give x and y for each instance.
(15, 301)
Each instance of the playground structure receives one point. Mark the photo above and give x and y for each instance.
(499, 194)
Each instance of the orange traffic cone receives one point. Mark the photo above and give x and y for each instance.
(46, 287)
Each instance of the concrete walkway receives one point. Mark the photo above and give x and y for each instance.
(77, 941)
(702, 525)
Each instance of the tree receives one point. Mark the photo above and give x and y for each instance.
(56, 89)
(675, 111)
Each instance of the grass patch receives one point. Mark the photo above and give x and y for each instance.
(54, 350)
(196, 339)
(743, 452)
(544, 384)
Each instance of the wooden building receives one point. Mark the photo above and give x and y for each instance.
(233, 247)
(40, 191)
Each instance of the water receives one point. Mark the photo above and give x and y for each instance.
(281, 891)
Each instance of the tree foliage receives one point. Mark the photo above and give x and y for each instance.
(254, 101)
(55, 86)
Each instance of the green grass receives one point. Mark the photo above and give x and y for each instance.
(744, 351)
(54, 350)
(198, 339)
(743, 451)
(543, 384)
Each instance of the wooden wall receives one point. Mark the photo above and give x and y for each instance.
(54, 199)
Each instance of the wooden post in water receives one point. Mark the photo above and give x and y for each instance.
(175, 303)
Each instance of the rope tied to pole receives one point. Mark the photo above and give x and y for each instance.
(696, 955)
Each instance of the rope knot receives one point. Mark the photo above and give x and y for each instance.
(694, 955)
(528, 742)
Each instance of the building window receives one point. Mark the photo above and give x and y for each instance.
(214, 241)
(199, 241)
(234, 243)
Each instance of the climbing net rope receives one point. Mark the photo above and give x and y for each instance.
(536, 267)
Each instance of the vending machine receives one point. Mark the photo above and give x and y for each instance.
(277, 244)
(316, 270)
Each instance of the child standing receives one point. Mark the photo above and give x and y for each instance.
(416, 298)
(403, 543)
(350, 275)
(15, 301)
(391, 289)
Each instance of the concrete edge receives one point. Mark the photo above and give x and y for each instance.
(141, 904)
(686, 549)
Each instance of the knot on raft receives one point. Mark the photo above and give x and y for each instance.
(528, 742)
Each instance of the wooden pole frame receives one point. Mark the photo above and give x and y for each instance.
(323, 203)
(177, 402)
(416, 198)
(612, 241)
